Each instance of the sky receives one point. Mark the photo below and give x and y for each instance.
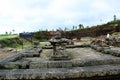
(35, 15)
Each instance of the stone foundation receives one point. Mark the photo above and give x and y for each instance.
(106, 50)
(85, 64)
(61, 73)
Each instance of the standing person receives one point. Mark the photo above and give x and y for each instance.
(108, 36)
(108, 39)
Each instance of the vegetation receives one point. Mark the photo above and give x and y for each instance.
(13, 41)
(3, 36)
(114, 21)
(9, 40)
(42, 35)
(81, 31)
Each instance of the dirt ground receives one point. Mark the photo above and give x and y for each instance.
(5, 52)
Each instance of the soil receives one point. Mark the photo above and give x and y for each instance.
(6, 52)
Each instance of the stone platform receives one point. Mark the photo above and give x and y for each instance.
(86, 63)
(78, 73)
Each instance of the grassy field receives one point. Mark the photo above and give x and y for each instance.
(5, 39)
(4, 36)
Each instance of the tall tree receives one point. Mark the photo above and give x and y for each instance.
(81, 26)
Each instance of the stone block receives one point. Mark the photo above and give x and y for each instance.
(70, 46)
(94, 62)
(47, 47)
(32, 55)
(51, 64)
(115, 53)
(14, 65)
(94, 47)
(10, 65)
(62, 73)
(34, 65)
(99, 49)
(13, 58)
(106, 51)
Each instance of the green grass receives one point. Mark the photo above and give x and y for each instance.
(25, 45)
(6, 36)
(116, 21)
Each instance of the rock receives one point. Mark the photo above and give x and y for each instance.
(51, 64)
(99, 49)
(36, 43)
(62, 73)
(9, 49)
(106, 51)
(115, 53)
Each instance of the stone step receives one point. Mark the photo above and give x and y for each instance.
(12, 58)
(68, 46)
(51, 64)
(94, 62)
(106, 50)
(39, 63)
(70, 64)
(62, 73)
(20, 55)
(15, 57)
(112, 52)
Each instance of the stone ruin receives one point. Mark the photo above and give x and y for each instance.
(63, 62)
(59, 47)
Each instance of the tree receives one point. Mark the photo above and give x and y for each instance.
(66, 29)
(6, 32)
(114, 17)
(73, 27)
(13, 31)
(81, 26)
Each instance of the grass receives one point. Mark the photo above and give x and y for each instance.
(6, 36)
(25, 45)
(116, 21)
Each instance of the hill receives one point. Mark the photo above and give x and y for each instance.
(94, 31)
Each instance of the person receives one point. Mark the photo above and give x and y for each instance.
(107, 39)
(108, 36)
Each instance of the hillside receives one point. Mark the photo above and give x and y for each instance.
(95, 31)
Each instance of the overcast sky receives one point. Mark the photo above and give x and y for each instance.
(34, 15)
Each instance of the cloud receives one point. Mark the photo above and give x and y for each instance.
(32, 15)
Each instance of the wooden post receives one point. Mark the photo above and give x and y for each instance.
(22, 44)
